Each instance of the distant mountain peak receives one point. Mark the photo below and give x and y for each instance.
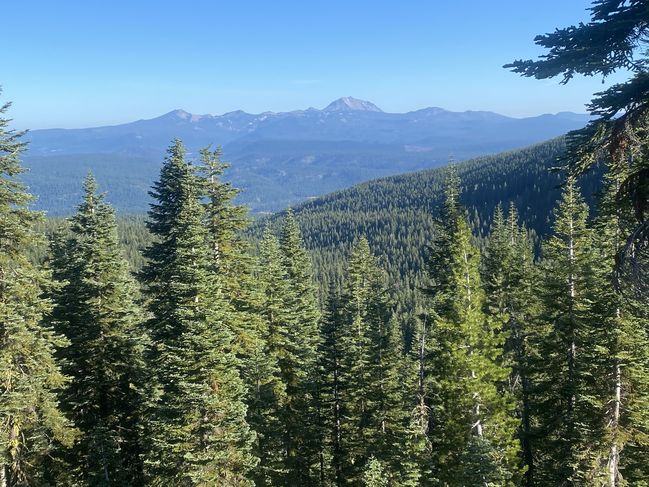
(179, 113)
(186, 116)
(349, 104)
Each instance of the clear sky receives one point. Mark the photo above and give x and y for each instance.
(85, 63)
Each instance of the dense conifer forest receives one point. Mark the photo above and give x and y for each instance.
(480, 325)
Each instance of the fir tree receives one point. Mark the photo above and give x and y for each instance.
(372, 414)
(374, 475)
(94, 308)
(510, 280)
(567, 368)
(363, 310)
(471, 416)
(269, 397)
(199, 433)
(303, 436)
(626, 368)
(29, 373)
(331, 383)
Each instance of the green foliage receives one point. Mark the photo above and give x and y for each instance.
(467, 362)
(374, 475)
(615, 39)
(198, 430)
(568, 395)
(511, 284)
(94, 307)
(30, 375)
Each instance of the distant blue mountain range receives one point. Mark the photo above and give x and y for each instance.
(277, 159)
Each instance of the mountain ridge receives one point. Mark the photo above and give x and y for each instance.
(278, 159)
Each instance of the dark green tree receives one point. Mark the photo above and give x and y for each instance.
(198, 428)
(615, 39)
(94, 307)
(372, 416)
(331, 358)
(303, 435)
(29, 373)
(364, 310)
(567, 367)
(269, 396)
(626, 367)
(510, 281)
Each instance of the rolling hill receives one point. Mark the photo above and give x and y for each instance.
(397, 213)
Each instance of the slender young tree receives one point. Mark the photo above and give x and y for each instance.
(567, 370)
(331, 377)
(199, 433)
(29, 373)
(94, 307)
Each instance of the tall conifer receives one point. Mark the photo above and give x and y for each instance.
(199, 433)
(510, 281)
(95, 309)
(567, 369)
(472, 424)
(303, 435)
(626, 368)
(29, 373)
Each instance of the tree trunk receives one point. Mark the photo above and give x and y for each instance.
(614, 455)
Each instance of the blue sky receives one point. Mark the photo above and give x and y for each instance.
(75, 64)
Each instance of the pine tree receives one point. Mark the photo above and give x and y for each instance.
(94, 307)
(199, 433)
(510, 283)
(29, 372)
(374, 475)
(567, 369)
(303, 435)
(420, 387)
(472, 422)
(366, 353)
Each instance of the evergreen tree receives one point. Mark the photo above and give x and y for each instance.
(472, 422)
(567, 370)
(364, 310)
(244, 290)
(615, 39)
(626, 369)
(510, 279)
(199, 433)
(372, 415)
(269, 397)
(374, 475)
(94, 308)
(303, 435)
(331, 384)
(29, 373)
